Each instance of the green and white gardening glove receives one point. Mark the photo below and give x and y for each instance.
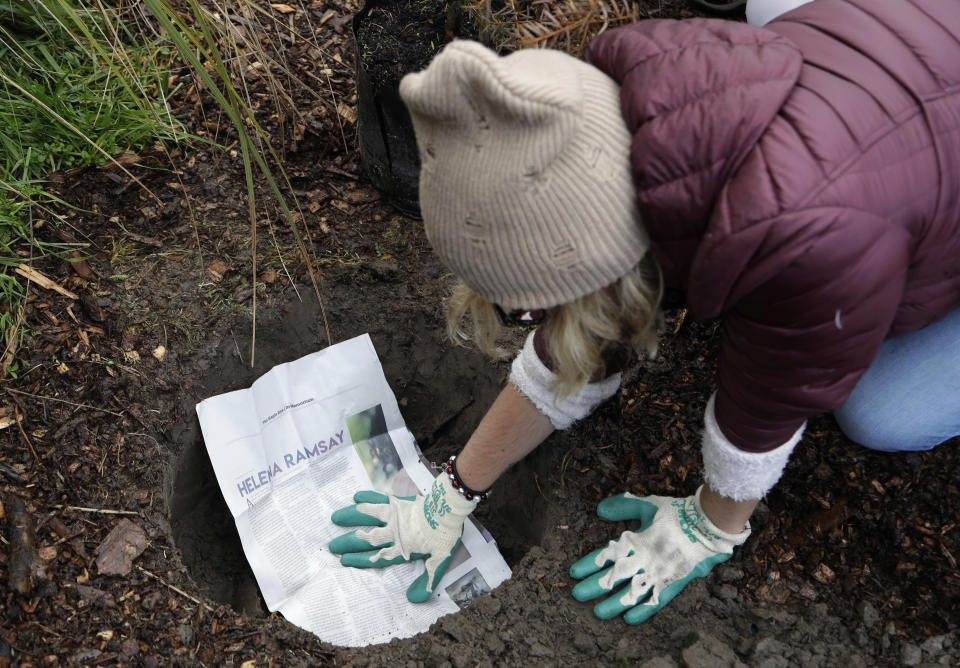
(674, 544)
(404, 529)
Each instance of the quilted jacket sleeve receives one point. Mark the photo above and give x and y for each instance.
(808, 326)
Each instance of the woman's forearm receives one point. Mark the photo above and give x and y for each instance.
(509, 431)
(513, 427)
(726, 514)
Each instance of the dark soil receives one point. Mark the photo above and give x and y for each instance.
(396, 37)
(853, 556)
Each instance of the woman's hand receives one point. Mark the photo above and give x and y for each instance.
(675, 543)
(404, 529)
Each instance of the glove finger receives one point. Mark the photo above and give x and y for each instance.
(352, 516)
(627, 506)
(362, 540)
(642, 612)
(369, 559)
(372, 559)
(422, 588)
(349, 542)
(614, 605)
(588, 565)
(369, 496)
(591, 588)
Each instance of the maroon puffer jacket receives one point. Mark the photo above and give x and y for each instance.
(802, 181)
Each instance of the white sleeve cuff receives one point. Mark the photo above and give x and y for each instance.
(533, 379)
(738, 474)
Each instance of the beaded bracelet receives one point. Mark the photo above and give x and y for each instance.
(457, 482)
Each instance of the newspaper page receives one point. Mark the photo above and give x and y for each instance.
(295, 447)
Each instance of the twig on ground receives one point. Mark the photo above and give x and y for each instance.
(174, 588)
(63, 401)
(16, 414)
(32, 274)
(101, 511)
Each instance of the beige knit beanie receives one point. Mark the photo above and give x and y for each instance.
(525, 187)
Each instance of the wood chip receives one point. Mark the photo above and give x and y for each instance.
(127, 158)
(7, 418)
(116, 553)
(282, 8)
(22, 556)
(347, 112)
(91, 595)
(327, 15)
(81, 267)
(32, 274)
(159, 353)
(217, 270)
(823, 574)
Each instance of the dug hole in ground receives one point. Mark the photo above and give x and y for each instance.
(542, 512)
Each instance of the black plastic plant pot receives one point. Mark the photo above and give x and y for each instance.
(388, 146)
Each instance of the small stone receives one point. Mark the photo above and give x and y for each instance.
(729, 574)
(86, 655)
(868, 614)
(933, 645)
(186, 634)
(910, 654)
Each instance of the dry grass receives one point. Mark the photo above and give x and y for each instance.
(568, 25)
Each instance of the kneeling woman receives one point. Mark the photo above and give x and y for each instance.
(800, 181)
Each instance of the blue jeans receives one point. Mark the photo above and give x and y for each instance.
(909, 398)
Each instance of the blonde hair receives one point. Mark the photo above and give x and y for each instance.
(578, 333)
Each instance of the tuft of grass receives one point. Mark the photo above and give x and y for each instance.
(75, 90)
(208, 44)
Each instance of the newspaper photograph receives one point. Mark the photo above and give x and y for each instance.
(293, 448)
